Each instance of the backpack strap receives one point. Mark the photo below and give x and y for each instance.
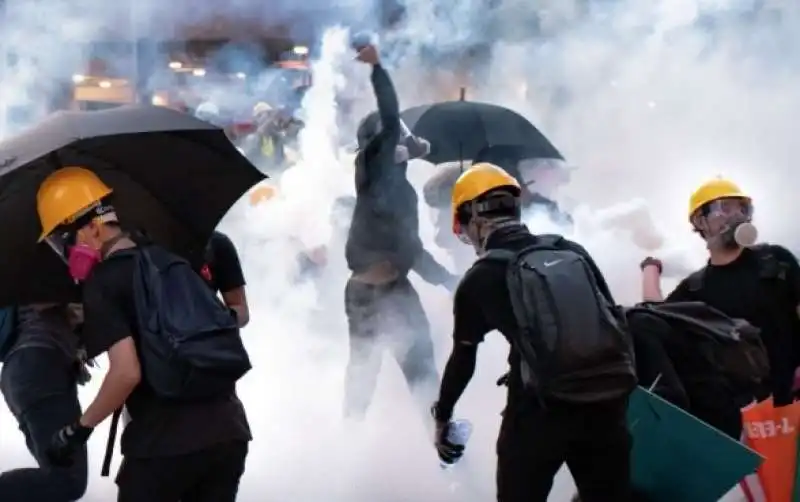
(770, 267)
(112, 440)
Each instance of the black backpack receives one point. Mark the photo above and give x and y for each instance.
(729, 347)
(573, 343)
(189, 341)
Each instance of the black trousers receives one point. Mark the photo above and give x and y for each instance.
(210, 475)
(389, 316)
(593, 440)
(39, 388)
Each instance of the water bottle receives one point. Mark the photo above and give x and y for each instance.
(458, 433)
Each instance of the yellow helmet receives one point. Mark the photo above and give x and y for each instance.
(65, 194)
(262, 194)
(261, 107)
(718, 188)
(478, 180)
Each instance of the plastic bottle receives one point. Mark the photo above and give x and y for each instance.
(459, 433)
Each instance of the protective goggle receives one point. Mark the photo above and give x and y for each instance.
(729, 206)
(466, 212)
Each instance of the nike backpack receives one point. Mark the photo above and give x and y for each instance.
(574, 343)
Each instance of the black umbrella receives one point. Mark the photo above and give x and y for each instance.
(174, 177)
(459, 130)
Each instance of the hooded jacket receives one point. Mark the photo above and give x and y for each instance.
(385, 224)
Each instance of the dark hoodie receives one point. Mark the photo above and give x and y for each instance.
(385, 224)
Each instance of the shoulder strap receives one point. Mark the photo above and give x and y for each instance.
(112, 440)
(770, 267)
(501, 255)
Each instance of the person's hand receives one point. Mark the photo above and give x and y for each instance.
(66, 442)
(448, 452)
(652, 262)
(368, 54)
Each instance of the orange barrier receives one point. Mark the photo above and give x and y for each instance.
(773, 433)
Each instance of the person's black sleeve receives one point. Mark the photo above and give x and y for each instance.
(379, 153)
(681, 293)
(431, 270)
(788, 258)
(469, 329)
(226, 267)
(104, 318)
(599, 278)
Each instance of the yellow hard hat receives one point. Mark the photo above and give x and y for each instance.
(478, 180)
(65, 194)
(262, 194)
(718, 188)
(261, 107)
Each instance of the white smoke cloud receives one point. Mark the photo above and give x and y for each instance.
(649, 99)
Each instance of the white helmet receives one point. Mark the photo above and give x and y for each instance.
(207, 111)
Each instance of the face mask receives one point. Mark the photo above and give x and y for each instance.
(81, 259)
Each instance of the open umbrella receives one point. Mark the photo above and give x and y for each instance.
(459, 130)
(174, 177)
(678, 457)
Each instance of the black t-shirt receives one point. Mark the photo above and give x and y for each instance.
(739, 290)
(482, 303)
(158, 427)
(222, 270)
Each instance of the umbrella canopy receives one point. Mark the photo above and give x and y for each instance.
(678, 457)
(173, 176)
(459, 130)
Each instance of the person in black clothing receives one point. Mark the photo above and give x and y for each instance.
(39, 381)
(191, 451)
(222, 271)
(536, 435)
(757, 283)
(383, 245)
(539, 178)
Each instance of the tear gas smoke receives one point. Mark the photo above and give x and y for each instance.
(649, 99)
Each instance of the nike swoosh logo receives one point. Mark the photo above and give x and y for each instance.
(551, 263)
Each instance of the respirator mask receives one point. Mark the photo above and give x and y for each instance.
(727, 223)
(80, 258)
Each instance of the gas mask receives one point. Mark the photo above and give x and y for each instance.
(80, 258)
(727, 223)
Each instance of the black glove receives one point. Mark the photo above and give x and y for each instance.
(66, 442)
(449, 453)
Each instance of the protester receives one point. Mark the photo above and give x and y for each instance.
(268, 146)
(383, 245)
(184, 447)
(222, 271)
(571, 363)
(39, 381)
(540, 179)
(757, 283)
